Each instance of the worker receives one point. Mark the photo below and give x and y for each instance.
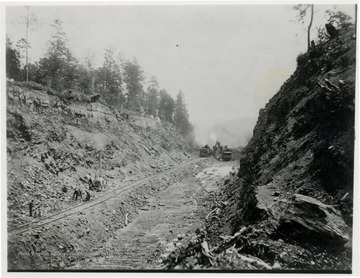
(76, 194)
(90, 183)
(87, 198)
(31, 206)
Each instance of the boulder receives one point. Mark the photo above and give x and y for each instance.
(306, 219)
(285, 257)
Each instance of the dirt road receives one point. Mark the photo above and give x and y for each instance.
(170, 214)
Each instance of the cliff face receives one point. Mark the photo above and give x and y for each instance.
(303, 141)
(290, 204)
(54, 142)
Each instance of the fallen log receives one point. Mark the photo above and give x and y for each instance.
(258, 263)
(230, 240)
(211, 212)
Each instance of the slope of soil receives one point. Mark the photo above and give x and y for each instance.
(54, 145)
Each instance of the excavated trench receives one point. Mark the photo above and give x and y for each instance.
(129, 231)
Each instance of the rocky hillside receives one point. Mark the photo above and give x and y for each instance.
(303, 142)
(54, 143)
(290, 205)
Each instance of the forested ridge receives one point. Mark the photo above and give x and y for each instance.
(119, 82)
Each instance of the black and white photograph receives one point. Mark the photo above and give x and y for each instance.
(179, 137)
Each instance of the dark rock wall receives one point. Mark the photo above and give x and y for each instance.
(303, 141)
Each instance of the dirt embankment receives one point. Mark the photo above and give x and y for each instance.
(54, 144)
(290, 205)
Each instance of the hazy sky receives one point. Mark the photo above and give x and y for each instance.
(228, 59)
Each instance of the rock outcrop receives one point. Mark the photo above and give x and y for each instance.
(290, 204)
(298, 167)
(307, 219)
(303, 141)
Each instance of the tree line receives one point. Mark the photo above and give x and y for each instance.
(119, 81)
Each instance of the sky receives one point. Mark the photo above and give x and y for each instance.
(228, 60)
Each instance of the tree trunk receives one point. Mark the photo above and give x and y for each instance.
(310, 24)
(27, 44)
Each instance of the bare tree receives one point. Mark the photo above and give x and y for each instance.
(27, 42)
(303, 10)
(23, 44)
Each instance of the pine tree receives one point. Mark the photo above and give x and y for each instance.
(133, 79)
(181, 116)
(109, 80)
(86, 74)
(58, 67)
(166, 107)
(84, 79)
(152, 97)
(12, 61)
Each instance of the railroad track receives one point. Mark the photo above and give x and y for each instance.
(108, 195)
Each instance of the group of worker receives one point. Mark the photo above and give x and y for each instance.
(34, 209)
(78, 193)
